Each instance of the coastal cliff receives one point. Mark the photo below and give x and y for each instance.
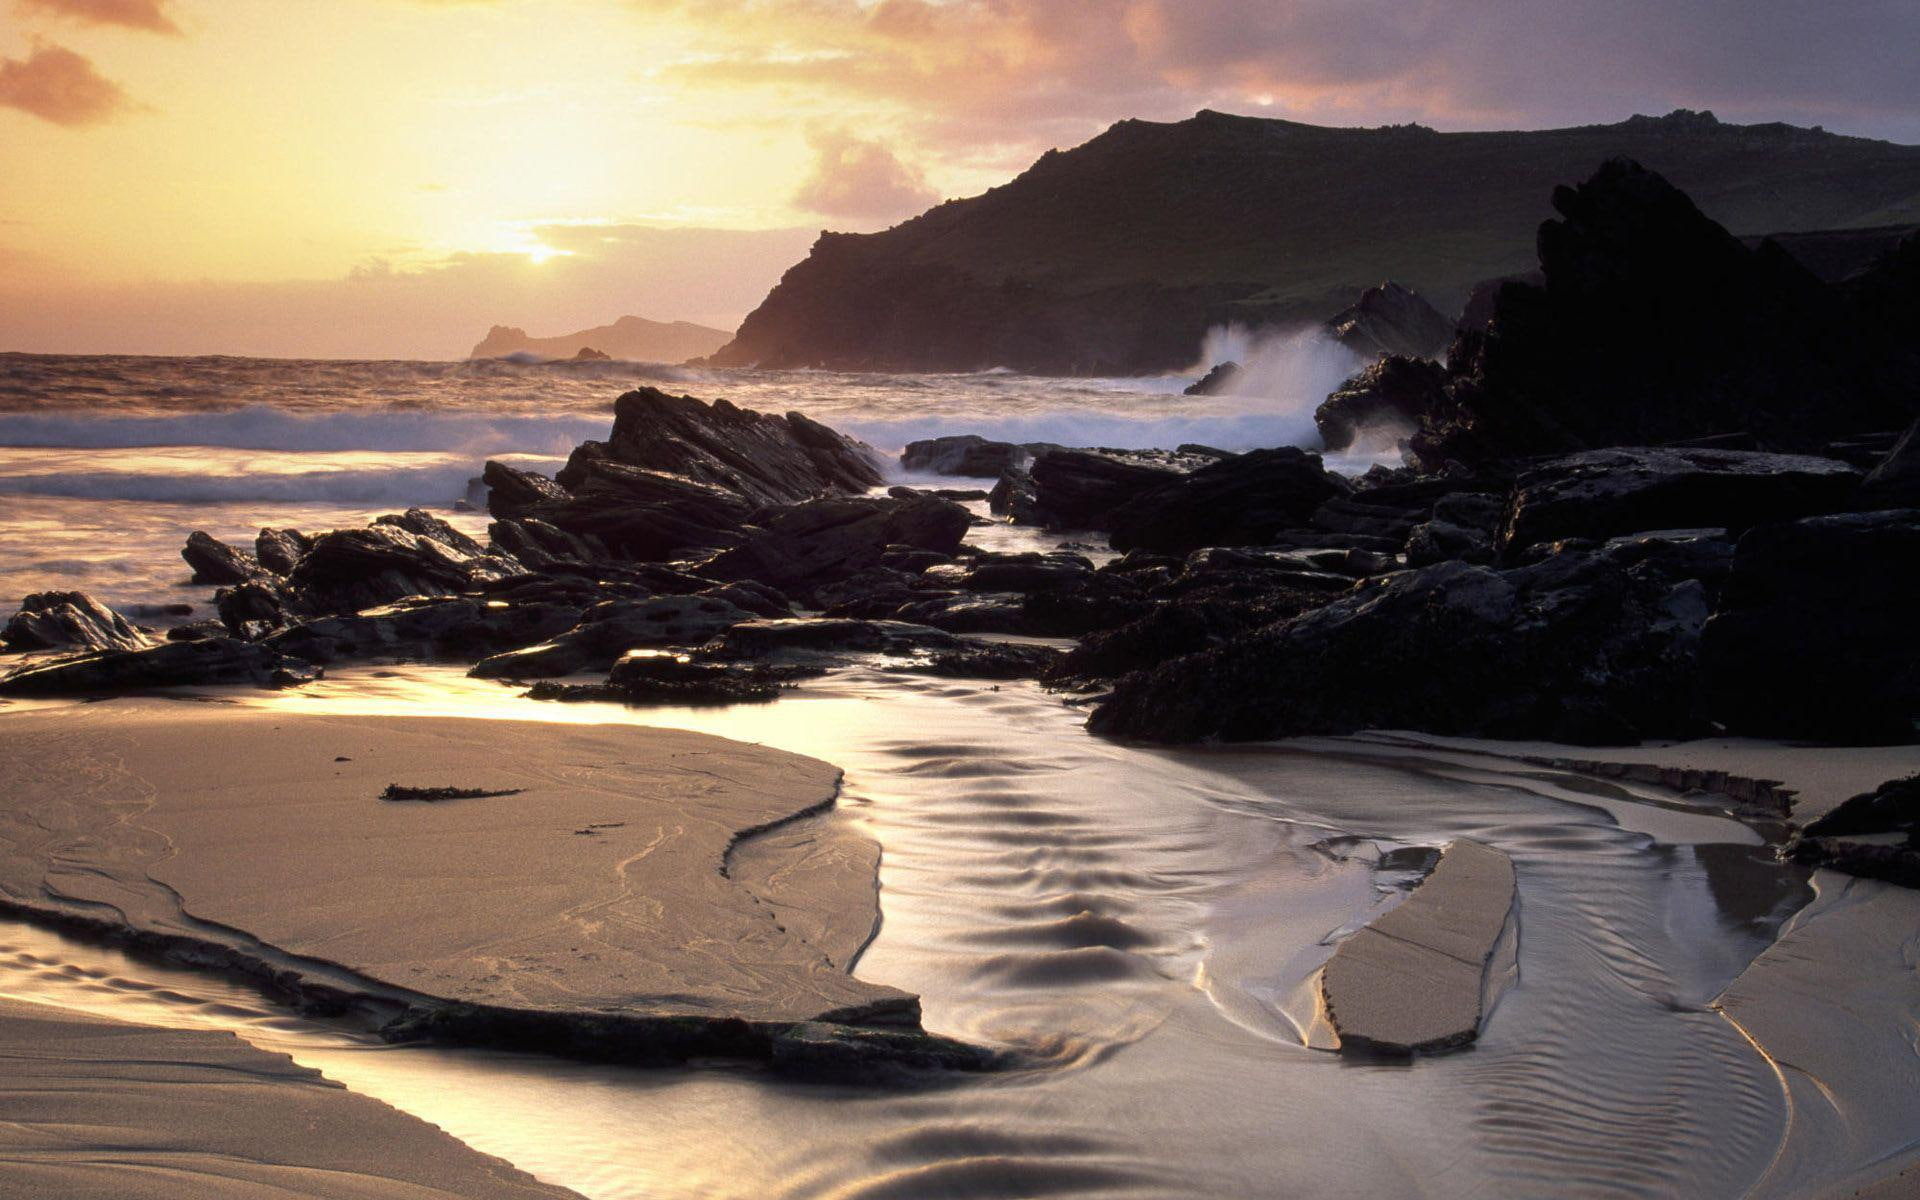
(1115, 257)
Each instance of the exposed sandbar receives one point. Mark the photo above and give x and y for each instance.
(594, 911)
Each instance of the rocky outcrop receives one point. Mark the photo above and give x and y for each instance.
(1081, 489)
(213, 561)
(1815, 634)
(763, 459)
(803, 546)
(68, 621)
(1117, 257)
(170, 664)
(1218, 381)
(1586, 646)
(970, 455)
(1875, 835)
(609, 629)
(1598, 494)
(1655, 325)
(1239, 501)
(512, 492)
(280, 550)
(1392, 396)
(1391, 319)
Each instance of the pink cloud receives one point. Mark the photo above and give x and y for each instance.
(860, 179)
(58, 85)
(150, 15)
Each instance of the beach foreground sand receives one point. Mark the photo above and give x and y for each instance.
(594, 908)
(99, 1108)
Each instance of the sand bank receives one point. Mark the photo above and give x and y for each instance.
(596, 910)
(96, 1108)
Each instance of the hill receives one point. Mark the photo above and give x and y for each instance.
(633, 339)
(1115, 257)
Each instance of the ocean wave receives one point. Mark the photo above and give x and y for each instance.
(370, 487)
(257, 427)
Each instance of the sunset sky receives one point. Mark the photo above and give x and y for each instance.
(390, 177)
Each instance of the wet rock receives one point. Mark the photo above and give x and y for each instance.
(1033, 572)
(1239, 501)
(421, 523)
(197, 631)
(279, 550)
(1014, 498)
(69, 620)
(539, 545)
(969, 455)
(347, 570)
(1814, 635)
(648, 678)
(1391, 319)
(971, 612)
(1603, 493)
(512, 492)
(762, 458)
(1218, 381)
(608, 630)
(450, 628)
(1395, 394)
(1411, 980)
(806, 545)
(1895, 481)
(1178, 628)
(1081, 489)
(1586, 646)
(170, 664)
(1102, 601)
(213, 561)
(817, 1050)
(1463, 528)
(641, 513)
(829, 636)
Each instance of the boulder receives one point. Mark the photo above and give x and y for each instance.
(213, 561)
(762, 458)
(347, 570)
(1080, 489)
(453, 628)
(1391, 319)
(1814, 636)
(968, 454)
(1395, 394)
(170, 664)
(610, 629)
(1218, 381)
(805, 545)
(280, 550)
(1602, 493)
(1588, 645)
(1895, 481)
(643, 513)
(1239, 501)
(69, 620)
(512, 492)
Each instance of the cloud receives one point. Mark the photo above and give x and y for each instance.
(150, 15)
(55, 84)
(957, 76)
(860, 180)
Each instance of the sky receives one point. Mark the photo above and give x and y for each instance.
(388, 178)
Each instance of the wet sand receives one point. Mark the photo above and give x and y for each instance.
(602, 886)
(97, 1108)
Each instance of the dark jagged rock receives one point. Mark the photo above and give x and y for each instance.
(1602, 493)
(763, 458)
(450, 628)
(170, 664)
(1013, 497)
(1240, 501)
(805, 545)
(1116, 257)
(541, 546)
(1875, 835)
(433, 795)
(1586, 646)
(1463, 527)
(1081, 489)
(280, 550)
(1656, 325)
(512, 492)
(69, 620)
(830, 636)
(421, 523)
(1032, 572)
(1178, 628)
(1895, 482)
(1391, 319)
(1395, 395)
(1218, 381)
(969, 612)
(610, 629)
(647, 678)
(213, 561)
(968, 454)
(1102, 601)
(347, 570)
(641, 513)
(1815, 633)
